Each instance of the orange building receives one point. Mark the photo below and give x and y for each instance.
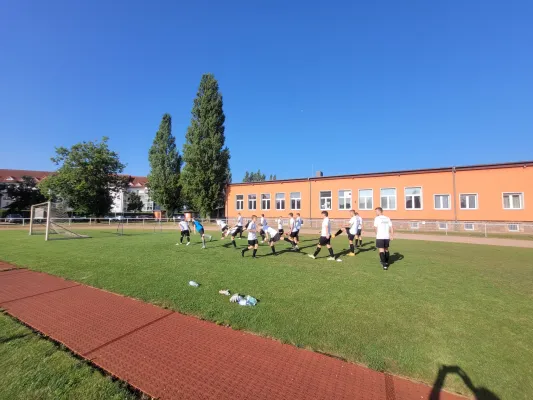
(495, 192)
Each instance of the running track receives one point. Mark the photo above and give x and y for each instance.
(168, 355)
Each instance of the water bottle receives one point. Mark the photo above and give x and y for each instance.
(193, 283)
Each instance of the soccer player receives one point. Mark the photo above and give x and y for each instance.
(239, 225)
(358, 235)
(352, 231)
(325, 238)
(263, 223)
(274, 237)
(200, 229)
(252, 237)
(292, 239)
(280, 226)
(184, 228)
(223, 228)
(299, 223)
(384, 234)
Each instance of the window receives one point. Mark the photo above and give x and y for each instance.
(414, 225)
(388, 198)
(296, 200)
(252, 202)
(512, 201)
(443, 225)
(469, 226)
(413, 198)
(280, 201)
(513, 227)
(365, 199)
(265, 201)
(345, 199)
(325, 200)
(239, 202)
(468, 201)
(442, 202)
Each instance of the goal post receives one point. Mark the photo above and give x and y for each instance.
(46, 218)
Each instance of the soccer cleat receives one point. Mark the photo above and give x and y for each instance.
(177, 244)
(203, 247)
(188, 243)
(331, 258)
(296, 248)
(312, 256)
(385, 267)
(351, 254)
(338, 260)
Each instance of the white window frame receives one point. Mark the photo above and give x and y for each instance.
(284, 201)
(299, 199)
(414, 225)
(521, 194)
(269, 201)
(254, 200)
(237, 202)
(449, 201)
(517, 226)
(445, 226)
(330, 199)
(388, 198)
(339, 199)
(469, 223)
(468, 203)
(413, 195)
(359, 199)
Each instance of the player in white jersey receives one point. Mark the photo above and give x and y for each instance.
(325, 238)
(223, 227)
(273, 237)
(184, 228)
(279, 221)
(252, 237)
(384, 233)
(237, 229)
(358, 233)
(293, 235)
(240, 228)
(299, 223)
(263, 225)
(351, 230)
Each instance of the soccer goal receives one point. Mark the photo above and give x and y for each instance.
(49, 219)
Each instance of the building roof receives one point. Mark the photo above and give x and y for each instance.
(15, 175)
(402, 172)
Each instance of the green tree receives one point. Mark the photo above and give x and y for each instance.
(24, 195)
(165, 168)
(87, 178)
(135, 202)
(206, 172)
(254, 176)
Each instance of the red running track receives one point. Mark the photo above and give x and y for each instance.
(168, 355)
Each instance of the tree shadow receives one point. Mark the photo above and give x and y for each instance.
(395, 257)
(14, 337)
(480, 393)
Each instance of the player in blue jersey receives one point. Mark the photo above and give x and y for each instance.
(200, 229)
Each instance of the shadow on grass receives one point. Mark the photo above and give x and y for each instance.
(14, 337)
(395, 257)
(480, 393)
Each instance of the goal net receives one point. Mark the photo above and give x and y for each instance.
(52, 220)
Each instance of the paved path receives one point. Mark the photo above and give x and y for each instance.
(168, 355)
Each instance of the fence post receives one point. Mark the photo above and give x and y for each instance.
(485, 230)
(69, 221)
(23, 219)
(127, 220)
(109, 221)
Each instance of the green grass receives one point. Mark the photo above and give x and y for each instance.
(442, 303)
(35, 368)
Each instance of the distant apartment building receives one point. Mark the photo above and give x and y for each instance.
(491, 193)
(137, 184)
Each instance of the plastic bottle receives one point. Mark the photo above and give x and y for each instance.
(193, 283)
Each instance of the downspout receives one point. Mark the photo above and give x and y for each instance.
(454, 196)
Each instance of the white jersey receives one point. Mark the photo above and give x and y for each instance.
(239, 220)
(298, 223)
(353, 225)
(383, 225)
(221, 223)
(252, 234)
(271, 232)
(263, 223)
(280, 224)
(326, 227)
(359, 222)
(184, 226)
(292, 225)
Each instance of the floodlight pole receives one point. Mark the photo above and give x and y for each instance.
(48, 220)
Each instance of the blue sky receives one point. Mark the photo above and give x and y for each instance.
(340, 86)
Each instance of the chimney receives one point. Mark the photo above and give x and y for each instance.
(319, 174)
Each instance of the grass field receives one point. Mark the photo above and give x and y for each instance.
(440, 303)
(35, 368)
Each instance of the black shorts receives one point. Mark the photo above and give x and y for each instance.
(294, 234)
(185, 233)
(201, 231)
(350, 236)
(252, 242)
(382, 243)
(261, 232)
(237, 230)
(275, 238)
(281, 231)
(298, 233)
(324, 240)
(224, 229)
(358, 232)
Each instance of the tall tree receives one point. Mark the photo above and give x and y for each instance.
(24, 195)
(87, 178)
(134, 202)
(206, 172)
(254, 176)
(165, 168)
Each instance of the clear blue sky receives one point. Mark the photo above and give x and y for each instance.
(339, 86)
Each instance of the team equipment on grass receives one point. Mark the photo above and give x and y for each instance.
(52, 219)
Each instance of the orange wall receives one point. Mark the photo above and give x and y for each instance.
(488, 184)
